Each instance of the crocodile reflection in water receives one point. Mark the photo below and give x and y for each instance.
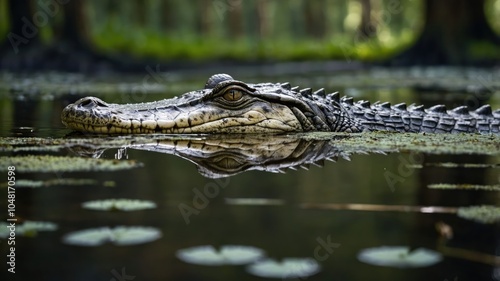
(217, 157)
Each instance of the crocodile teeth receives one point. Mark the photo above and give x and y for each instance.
(484, 110)
(321, 92)
(400, 106)
(460, 110)
(438, 109)
(294, 88)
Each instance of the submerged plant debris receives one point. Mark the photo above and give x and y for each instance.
(120, 235)
(119, 205)
(481, 214)
(49, 163)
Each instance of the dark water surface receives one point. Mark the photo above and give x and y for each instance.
(304, 213)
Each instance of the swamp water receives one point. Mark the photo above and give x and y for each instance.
(387, 206)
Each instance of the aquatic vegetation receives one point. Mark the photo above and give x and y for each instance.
(120, 236)
(464, 186)
(254, 201)
(455, 165)
(399, 256)
(286, 269)
(27, 228)
(51, 182)
(424, 143)
(225, 255)
(481, 214)
(48, 163)
(410, 142)
(119, 204)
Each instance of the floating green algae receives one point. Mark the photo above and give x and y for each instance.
(349, 142)
(464, 186)
(119, 205)
(51, 182)
(482, 214)
(48, 163)
(411, 142)
(455, 165)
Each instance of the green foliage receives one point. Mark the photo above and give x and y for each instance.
(268, 30)
(206, 34)
(150, 44)
(481, 50)
(492, 10)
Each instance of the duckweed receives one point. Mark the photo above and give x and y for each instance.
(481, 214)
(464, 186)
(119, 204)
(51, 182)
(48, 163)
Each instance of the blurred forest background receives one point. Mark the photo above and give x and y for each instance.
(80, 34)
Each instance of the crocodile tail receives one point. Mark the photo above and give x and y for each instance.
(416, 118)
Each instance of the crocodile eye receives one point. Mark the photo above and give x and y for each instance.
(233, 95)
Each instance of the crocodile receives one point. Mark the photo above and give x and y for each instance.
(226, 105)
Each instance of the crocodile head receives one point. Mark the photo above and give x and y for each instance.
(225, 105)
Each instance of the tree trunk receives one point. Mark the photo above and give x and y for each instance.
(449, 29)
(315, 18)
(74, 30)
(23, 33)
(367, 27)
(263, 19)
(236, 21)
(205, 22)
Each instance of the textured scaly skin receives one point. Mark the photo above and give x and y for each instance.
(229, 106)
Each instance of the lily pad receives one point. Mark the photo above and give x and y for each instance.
(227, 255)
(120, 236)
(119, 204)
(28, 228)
(399, 256)
(482, 214)
(286, 269)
